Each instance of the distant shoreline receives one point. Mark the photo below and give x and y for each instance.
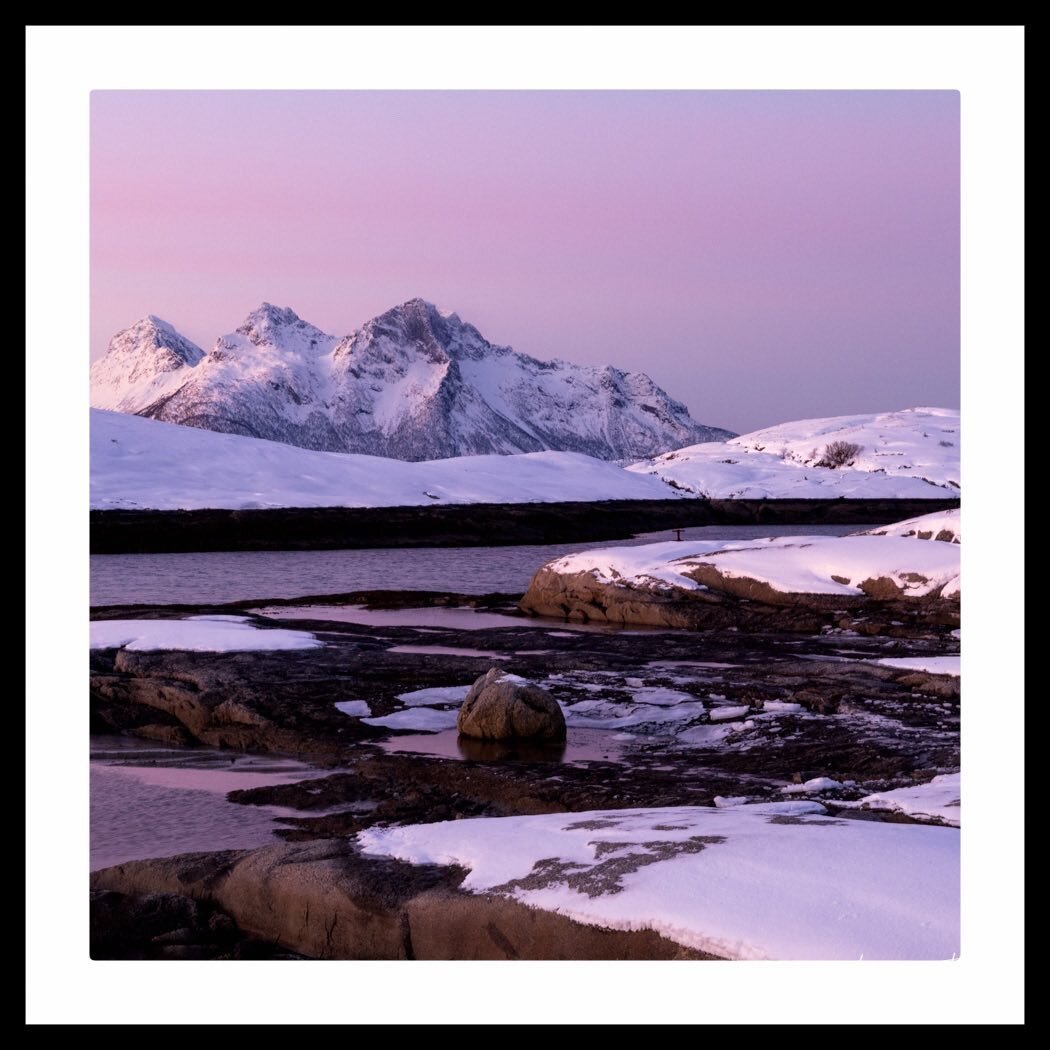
(468, 524)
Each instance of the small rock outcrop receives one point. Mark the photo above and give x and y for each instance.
(502, 706)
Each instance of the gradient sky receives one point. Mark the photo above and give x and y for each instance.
(764, 256)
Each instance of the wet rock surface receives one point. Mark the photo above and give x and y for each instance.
(330, 902)
(169, 926)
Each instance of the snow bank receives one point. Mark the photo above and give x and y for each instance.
(909, 454)
(943, 525)
(202, 634)
(780, 881)
(938, 798)
(140, 463)
(792, 565)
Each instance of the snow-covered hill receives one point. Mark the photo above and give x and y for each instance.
(909, 454)
(140, 463)
(414, 383)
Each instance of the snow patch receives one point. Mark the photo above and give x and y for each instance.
(198, 634)
(356, 708)
(741, 882)
(950, 665)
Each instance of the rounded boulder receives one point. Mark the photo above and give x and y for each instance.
(502, 706)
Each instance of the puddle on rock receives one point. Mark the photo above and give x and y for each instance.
(580, 746)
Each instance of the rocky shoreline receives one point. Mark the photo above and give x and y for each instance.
(785, 708)
(738, 604)
(468, 525)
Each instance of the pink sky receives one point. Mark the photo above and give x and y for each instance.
(764, 256)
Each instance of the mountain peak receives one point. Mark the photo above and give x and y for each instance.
(283, 328)
(141, 364)
(269, 316)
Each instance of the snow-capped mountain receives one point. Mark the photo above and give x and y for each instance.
(414, 383)
(144, 364)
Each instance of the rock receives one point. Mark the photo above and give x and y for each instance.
(726, 602)
(326, 900)
(502, 706)
(819, 702)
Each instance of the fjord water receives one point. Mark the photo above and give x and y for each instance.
(217, 577)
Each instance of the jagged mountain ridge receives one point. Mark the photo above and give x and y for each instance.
(414, 383)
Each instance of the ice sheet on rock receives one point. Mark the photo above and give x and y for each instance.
(950, 665)
(744, 882)
(442, 694)
(356, 708)
(423, 719)
(939, 798)
(609, 714)
(812, 786)
(725, 714)
(708, 735)
(659, 695)
(202, 634)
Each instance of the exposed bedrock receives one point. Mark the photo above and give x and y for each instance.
(731, 602)
(327, 901)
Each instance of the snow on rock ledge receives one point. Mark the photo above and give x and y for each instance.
(771, 881)
(937, 799)
(942, 525)
(678, 583)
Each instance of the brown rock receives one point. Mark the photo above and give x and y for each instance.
(327, 901)
(504, 707)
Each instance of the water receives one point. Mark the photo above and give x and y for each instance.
(426, 620)
(437, 616)
(581, 745)
(148, 801)
(217, 577)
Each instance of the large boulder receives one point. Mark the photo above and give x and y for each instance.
(502, 706)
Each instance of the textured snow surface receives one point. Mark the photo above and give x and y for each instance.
(770, 881)
(414, 383)
(140, 463)
(912, 453)
(939, 798)
(946, 523)
(201, 634)
(792, 564)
